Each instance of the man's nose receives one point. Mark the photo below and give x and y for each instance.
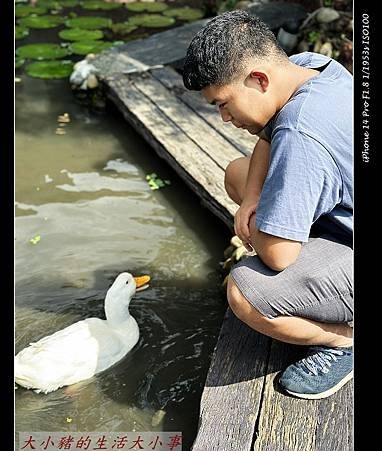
(226, 117)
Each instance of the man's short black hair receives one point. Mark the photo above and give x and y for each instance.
(218, 52)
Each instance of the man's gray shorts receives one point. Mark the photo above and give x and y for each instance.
(318, 286)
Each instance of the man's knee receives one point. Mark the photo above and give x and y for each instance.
(231, 176)
(242, 308)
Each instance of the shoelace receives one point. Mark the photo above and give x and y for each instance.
(321, 361)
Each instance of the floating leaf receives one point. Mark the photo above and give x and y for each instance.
(50, 69)
(41, 21)
(58, 4)
(99, 4)
(151, 7)
(151, 20)
(19, 62)
(42, 51)
(85, 47)
(155, 182)
(77, 34)
(26, 10)
(185, 13)
(123, 28)
(69, 3)
(89, 23)
(35, 239)
(21, 32)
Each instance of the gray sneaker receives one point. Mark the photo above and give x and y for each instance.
(320, 373)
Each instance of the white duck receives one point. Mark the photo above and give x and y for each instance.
(85, 348)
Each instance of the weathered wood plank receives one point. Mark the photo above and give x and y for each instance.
(201, 173)
(157, 49)
(241, 139)
(231, 398)
(292, 424)
(212, 143)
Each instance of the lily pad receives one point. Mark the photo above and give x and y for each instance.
(21, 32)
(19, 62)
(85, 47)
(151, 7)
(57, 4)
(151, 20)
(76, 34)
(185, 13)
(26, 10)
(69, 3)
(123, 28)
(99, 4)
(89, 23)
(42, 51)
(50, 69)
(41, 21)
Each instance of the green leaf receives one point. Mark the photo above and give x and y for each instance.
(85, 47)
(89, 23)
(151, 7)
(43, 22)
(151, 20)
(50, 69)
(185, 13)
(42, 51)
(77, 34)
(21, 32)
(123, 28)
(26, 10)
(99, 4)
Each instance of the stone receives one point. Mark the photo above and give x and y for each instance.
(327, 15)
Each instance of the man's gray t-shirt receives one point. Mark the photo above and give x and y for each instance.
(309, 178)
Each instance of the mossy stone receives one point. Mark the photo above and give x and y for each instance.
(42, 51)
(26, 10)
(76, 34)
(85, 47)
(99, 4)
(151, 20)
(89, 23)
(151, 7)
(184, 13)
(50, 69)
(21, 32)
(42, 22)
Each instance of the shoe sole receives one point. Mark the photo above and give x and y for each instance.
(324, 394)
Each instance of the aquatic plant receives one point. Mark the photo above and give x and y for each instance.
(99, 4)
(151, 20)
(89, 23)
(184, 13)
(42, 22)
(151, 7)
(123, 28)
(19, 62)
(85, 47)
(42, 51)
(26, 10)
(77, 34)
(50, 69)
(21, 32)
(58, 4)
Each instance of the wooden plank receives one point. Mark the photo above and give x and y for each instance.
(241, 139)
(231, 397)
(293, 424)
(212, 143)
(197, 169)
(157, 49)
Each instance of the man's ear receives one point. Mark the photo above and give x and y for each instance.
(259, 78)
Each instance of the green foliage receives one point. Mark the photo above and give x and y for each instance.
(21, 32)
(26, 10)
(85, 47)
(89, 23)
(50, 69)
(151, 7)
(19, 62)
(185, 13)
(76, 34)
(99, 4)
(155, 182)
(151, 20)
(42, 22)
(123, 28)
(42, 51)
(313, 36)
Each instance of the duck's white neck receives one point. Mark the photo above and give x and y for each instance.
(117, 306)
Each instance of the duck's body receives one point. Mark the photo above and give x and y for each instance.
(83, 349)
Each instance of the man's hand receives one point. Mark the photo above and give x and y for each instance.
(241, 222)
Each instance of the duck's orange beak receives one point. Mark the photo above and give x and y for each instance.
(142, 282)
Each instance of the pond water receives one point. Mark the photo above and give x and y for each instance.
(86, 196)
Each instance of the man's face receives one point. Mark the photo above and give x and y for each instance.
(244, 103)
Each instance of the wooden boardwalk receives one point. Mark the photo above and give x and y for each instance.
(242, 408)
